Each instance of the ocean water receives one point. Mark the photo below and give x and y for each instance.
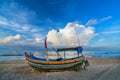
(54, 55)
(102, 55)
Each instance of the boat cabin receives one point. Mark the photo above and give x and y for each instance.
(77, 49)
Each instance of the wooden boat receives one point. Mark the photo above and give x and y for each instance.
(61, 63)
(57, 64)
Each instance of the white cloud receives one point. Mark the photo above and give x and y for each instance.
(105, 18)
(92, 22)
(3, 21)
(17, 12)
(16, 37)
(38, 40)
(34, 30)
(25, 28)
(36, 35)
(69, 35)
(10, 38)
(96, 21)
(17, 18)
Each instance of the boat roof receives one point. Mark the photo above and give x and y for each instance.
(70, 49)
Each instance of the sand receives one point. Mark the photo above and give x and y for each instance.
(99, 69)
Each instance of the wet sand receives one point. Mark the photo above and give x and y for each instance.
(99, 69)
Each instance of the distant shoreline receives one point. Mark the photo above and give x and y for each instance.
(13, 61)
(11, 55)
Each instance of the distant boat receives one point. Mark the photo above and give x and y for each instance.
(60, 63)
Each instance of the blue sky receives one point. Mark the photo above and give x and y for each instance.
(27, 22)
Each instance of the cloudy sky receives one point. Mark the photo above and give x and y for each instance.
(24, 24)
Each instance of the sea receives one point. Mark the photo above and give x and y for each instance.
(15, 57)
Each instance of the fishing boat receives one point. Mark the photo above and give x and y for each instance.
(61, 63)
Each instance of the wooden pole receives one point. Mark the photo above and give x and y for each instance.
(47, 55)
(64, 55)
(78, 41)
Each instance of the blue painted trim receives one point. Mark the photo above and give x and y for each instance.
(59, 59)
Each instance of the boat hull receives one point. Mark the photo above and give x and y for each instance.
(54, 65)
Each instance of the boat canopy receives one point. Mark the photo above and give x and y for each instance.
(79, 49)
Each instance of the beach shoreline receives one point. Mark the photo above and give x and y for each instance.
(99, 69)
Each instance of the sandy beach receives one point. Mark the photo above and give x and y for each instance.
(99, 69)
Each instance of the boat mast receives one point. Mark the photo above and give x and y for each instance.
(78, 45)
(78, 41)
(45, 45)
